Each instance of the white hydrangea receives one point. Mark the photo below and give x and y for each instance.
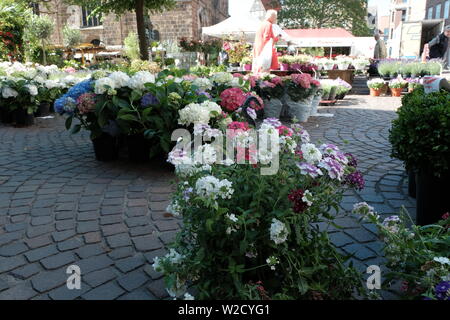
(211, 187)
(212, 107)
(310, 153)
(194, 113)
(222, 77)
(187, 170)
(39, 79)
(139, 79)
(206, 154)
(104, 85)
(8, 92)
(278, 231)
(32, 89)
(202, 83)
(51, 84)
(120, 79)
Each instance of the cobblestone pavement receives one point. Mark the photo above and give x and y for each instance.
(58, 206)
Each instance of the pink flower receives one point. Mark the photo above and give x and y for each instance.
(267, 84)
(70, 70)
(253, 104)
(238, 75)
(277, 81)
(232, 99)
(226, 46)
(285, 131)
(190, 77)
(86, 103)
(236, 125)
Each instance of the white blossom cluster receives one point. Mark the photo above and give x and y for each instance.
(278, 231)
(195, 113)
(222, 78)
(202, 83)
(213, 188)
(117, 80)
(310, 153)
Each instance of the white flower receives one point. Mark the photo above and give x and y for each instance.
(278, 231)
(120, 79)
(174, 208)
(442, 260)
(50, 84)
(179, 156)
(174, 257)
(272, 262)
(193, 114)
(232, 217)
(139, 80)
(157, 264)
(206, 154)
(310, 153)
(213, 108)
(8, 92)
(364, 209)
(32, 89)
(307, 198)
(187, 296)
(202, 83)
(188, 170)
(211, 187)
(104, 85)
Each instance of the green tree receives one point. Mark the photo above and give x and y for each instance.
(348, 14)
(119, 7)
(41, 28)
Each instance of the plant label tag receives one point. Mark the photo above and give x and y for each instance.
(434, 84)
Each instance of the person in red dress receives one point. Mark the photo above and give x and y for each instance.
(265, 36)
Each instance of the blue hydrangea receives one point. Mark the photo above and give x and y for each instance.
(65, 103)
(148, 100)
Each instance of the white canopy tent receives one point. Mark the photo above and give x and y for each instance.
(235, 28)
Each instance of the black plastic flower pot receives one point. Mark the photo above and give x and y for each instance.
(106, 148)
(432, 194)
(412, 183)
(6, 115)
(138, 148)
(22, 118)
(43, 110)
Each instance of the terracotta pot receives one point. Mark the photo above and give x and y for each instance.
(396, 92)
(375, 92)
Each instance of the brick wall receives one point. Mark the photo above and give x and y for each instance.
(185, 20)
(432, 4)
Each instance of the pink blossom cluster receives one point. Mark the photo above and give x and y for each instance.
(86, 103)
(232, 99)
(302, 79)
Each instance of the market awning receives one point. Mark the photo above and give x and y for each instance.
(337, 37)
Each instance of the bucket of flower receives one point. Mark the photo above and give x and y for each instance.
(271, 89)
(376, 86)
(300, 90)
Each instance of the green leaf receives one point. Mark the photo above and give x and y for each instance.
(69, 122)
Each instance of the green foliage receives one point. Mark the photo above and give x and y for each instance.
(39, 31)
(131, 46)
(410, 251)
(72, 37)
(348, 14)
(421, 135)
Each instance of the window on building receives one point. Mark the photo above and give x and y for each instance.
(89, 20)
(430, 13)
(438, 12)
(447, 9)
(404, 15)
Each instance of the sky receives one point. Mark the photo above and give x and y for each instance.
(383, 6)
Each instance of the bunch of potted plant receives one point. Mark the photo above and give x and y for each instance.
(414, 83)
(376, 86)
(246, 63)
(420, 137)
(300, 92)
(271, 90)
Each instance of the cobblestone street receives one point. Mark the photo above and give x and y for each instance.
(59, 206)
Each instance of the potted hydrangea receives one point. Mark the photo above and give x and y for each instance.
(376, 86)
(299, 95)
(271, 90)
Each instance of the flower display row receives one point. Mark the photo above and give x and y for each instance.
(248, 235)
(408, 68)
(341, 63)
(28, 89)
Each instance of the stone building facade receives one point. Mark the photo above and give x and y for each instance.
(438, 9)
(185, 20)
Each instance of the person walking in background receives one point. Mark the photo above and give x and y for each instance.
(264, 53)
(380, 48)
(439, 47)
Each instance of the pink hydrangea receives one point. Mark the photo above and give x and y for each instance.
(302, 79)
(86, 103)
(277, 81)
(232, 99)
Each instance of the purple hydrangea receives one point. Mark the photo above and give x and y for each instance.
(148, 100)
(274, 122)
(355, 180)
(203, 93)
(442, 290)
(66, 103)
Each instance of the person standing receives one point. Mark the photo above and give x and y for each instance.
(439, 47)
(380, 48)
(265, 39)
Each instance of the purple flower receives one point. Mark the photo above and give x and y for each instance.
(186, 193)
(252, 113)
(329, 149)
(301, 132)
(352, 161)
(148, 100)
(442, 290)
(203, 93)
(334, 168)
(309, 169)
(274, 122)
(355, 180)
